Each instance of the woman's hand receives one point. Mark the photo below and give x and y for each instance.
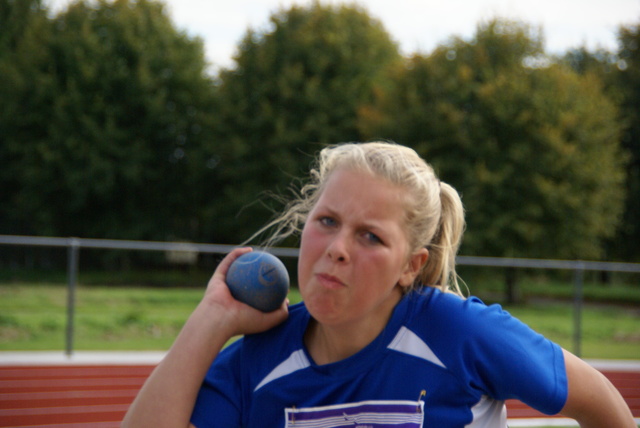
(169, 394)
(240, 318)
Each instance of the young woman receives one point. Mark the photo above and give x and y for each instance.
(384, 336)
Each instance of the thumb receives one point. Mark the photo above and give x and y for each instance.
(268, 320)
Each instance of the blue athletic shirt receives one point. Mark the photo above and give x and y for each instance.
(441, 362)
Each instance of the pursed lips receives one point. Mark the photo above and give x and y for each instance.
(329, 281)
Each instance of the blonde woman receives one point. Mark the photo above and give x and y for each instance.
(384, 336)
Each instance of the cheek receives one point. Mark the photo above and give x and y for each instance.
(309, 246)
(388, 267)
(310, 241)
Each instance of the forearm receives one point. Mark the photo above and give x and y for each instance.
(616, 413)
(593, 400)
(168, 396)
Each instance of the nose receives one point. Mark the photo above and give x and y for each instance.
(338, 249)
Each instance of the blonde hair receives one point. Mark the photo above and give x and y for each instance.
(434, 212)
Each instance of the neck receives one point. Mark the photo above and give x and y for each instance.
(331, 343)
(328, 345)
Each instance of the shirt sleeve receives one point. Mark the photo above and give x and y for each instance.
(219, 401)
(500, 356)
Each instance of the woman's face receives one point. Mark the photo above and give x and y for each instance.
(354, 251)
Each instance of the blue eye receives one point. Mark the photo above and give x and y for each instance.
(327, 221)
(373, 238)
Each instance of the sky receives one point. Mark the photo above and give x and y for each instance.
(416, 25)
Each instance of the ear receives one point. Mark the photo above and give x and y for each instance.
(414, 265)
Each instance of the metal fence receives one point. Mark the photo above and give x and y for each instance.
(74, 245)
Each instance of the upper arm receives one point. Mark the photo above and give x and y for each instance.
(592, 400)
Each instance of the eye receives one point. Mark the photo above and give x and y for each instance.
(327, 221)
(372, 238)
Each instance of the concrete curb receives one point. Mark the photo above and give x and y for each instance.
(11, 358)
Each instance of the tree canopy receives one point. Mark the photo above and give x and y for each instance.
(627, 81)
(107, 116)
(296, 87)
(112, 126)
(533, 151)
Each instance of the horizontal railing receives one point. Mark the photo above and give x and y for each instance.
(120, 244)
(74, 245)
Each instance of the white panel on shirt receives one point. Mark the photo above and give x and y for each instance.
(487, 413)
(296, 361)
(408, 342)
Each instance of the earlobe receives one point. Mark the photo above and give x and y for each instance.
(416, 261)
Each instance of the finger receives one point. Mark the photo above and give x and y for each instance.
(223, 266)
(280, 314)
(270, 319)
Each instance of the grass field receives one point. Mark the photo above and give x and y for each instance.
(119, 317)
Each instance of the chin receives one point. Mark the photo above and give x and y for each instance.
(323, 309)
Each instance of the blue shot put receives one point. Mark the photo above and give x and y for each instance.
(258, 279)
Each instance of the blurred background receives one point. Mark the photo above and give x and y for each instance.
(132, 120)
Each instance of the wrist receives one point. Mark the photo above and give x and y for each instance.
(214, 319)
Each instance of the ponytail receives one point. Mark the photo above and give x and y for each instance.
(440, 269)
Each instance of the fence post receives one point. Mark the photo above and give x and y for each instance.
(73, 251)
(578, 280)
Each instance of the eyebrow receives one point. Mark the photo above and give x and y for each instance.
(373, 227)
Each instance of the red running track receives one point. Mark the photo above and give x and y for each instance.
(97, 396)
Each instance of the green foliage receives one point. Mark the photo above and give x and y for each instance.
(24, 28)
(533, 150)
(106, 125)
(628, 83)
(112, 128)
(296, 87)
(619, 73)
(17, 18)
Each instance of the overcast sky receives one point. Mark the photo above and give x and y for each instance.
(417, 25)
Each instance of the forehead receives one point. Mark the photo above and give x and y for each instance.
(363, 194)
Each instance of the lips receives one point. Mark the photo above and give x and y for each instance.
(329, 281)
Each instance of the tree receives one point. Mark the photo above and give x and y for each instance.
(295, 87)
(619, 72)
(627, 80)
(532, 147)
(16, 19)
(24, 30)
(106, 138)
(600, 62)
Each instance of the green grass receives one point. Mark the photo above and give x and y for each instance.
(607, 331)
(33, 317)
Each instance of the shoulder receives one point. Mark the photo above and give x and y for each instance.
(489, 348)
(292, 327)
(466, 332)
(271, 347)
(453, 312)
(272, 343)
(251, 357)
(449, 320)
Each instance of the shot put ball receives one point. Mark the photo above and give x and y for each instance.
(258, 279)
